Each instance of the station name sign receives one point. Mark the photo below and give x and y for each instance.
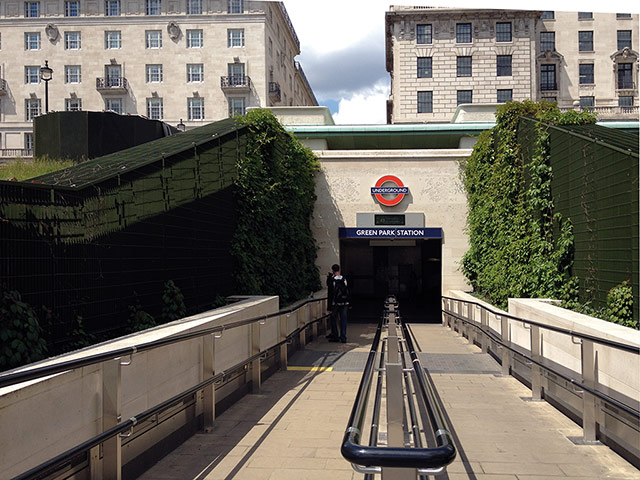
(374, 232)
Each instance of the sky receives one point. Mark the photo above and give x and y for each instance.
(342, 46)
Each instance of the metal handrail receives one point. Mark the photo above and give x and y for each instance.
(425, 460)
(40, 372)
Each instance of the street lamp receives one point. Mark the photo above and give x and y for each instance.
(181, 126)
(46, 73)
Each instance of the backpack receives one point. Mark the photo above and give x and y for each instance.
(340, 292)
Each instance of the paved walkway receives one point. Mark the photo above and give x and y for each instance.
(293, 429)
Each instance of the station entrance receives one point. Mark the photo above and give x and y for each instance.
(409, 269)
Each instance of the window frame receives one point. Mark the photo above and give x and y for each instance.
(153, 39)
(111, 6)
(619, 41)
(154, 73)
(191, 37)
(108, 38)
(69, 74)
(231, 39)
(193, 108)
(548, 72)
(587, 101)
(499, 90)
(584, 75)
(31, 72)
(109, 108)
(548, 15)
(463, 70)
(460, 33)
(68, 104)
(72, 40)
(510, 32)
(627, 73)
(424, 105)
(426, 70)
(194, 76)
(32, 9)
(194, 7)
(153, 8)
(32, 35)
(585, 15)
(585, 41)
(159, 105)
(31, 113)
(620, 101)
(545, 42)
(426, 35)
(232, 108)
(235, 6)
(68, 12)
(464, 92)
(501, 69)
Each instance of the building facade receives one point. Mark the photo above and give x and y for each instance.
(180, 61)
(440, 58)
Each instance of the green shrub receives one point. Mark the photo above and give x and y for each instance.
(138, 318)
(620, 305)
(173, 306)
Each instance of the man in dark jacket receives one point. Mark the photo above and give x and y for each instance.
(338, 304)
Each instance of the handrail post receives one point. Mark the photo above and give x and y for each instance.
(311, 308)
(111, 410)
(209, 392)
(255, 364)
(504, 334)
(589, 410)
(303, 331)
(536, 371)
(282, 337)
(484, 339)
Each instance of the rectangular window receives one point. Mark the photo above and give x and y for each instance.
(425, 102)
(112, 8)
(587, 102)
(503, 63)
(235, 37)
(112, 39)
(424, 33)
(72, 74)
(114, 105)
(236, 106)
(28, 141)
(235, 6)
(505, 95)
(153, 38)
(547, 41)
(548, 77)
(72, 40)
(195, 72)
(73, 104)
(585, 41)
(72, 8)
(585, 15)
(154, 108)
(32, 74)
(154, 73)
(463, 66)
(195, 39)
(503, 31)
(153, 7)
(31, 9)
(465, 96)
(424, 67)
(548, 99)
(625, 101)
(236, 74)
(32, 108)
(624, 39)
(586, 73)
(32, 41)
(625, 75)
(194, 7)
(623, 15)
(548, 15)
(195, 108)
(463, 33)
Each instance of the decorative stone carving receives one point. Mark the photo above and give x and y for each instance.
(52, 32)
(174, 30)
(12, 10)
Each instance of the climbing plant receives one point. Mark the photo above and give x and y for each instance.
(519, 247)
(173, 306)
(273, 247)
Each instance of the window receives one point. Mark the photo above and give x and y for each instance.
(72, 40)
(154, 73)
(112, 8)
(153, 7)
(72, 74)
(504, 95)
(72, 8)
(585, 41)
(154, 108)
(112, 39)
(72, 104)
(586, 73)
(195, 39)
(503, 31)
(463, 66)
(270, 48)
(235, 6)
(424, 33)
(623, 15)
(28, 141)
(465, 96)
(548, 77)
(114, 105)
(113, 75)
(463, 33)
(235, 37)
(31, 9)
(547, 41)
(236, 74)
(153, 38)
(503, 63)
(424, 67)
(585, 15)
(32, 74)
(195, 72)
(548, 15)
(624, 39)
(194, 7)
(625, 75)
(195, 108)
(587, 102)
(548, 99)
(425, 102)
(625, 101)
(32, 41)
(236, 106)
(32, 108)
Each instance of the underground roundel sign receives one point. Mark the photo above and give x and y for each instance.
(389, 190)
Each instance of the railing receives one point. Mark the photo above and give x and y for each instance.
(111, 83)
(16, 152)
(111, 438)
(274, 91)
(234, 82)
(305, 81)
(607, 111)
(462, 315)
(3, 86)
(399, 458)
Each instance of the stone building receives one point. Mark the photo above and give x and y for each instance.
(440, 58)
(180, 61)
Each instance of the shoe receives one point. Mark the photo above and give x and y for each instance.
(330, 336)
(343, 340)
(334, 339)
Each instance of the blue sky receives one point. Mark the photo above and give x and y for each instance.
(343, 48)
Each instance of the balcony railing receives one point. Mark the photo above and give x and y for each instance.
(609, 112)
(8, 153)
(235, 83)
(112, 84)
(4, 89)
(274, 91)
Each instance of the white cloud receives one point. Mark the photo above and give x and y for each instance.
(368, 106)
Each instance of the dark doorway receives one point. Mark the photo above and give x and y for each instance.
(410, 269)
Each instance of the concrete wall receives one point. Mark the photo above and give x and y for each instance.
(344, 186)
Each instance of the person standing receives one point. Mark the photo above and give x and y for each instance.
(338, 304)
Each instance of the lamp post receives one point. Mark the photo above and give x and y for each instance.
(46, 73)
(181, 126)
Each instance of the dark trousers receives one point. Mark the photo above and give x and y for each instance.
(339, 312)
